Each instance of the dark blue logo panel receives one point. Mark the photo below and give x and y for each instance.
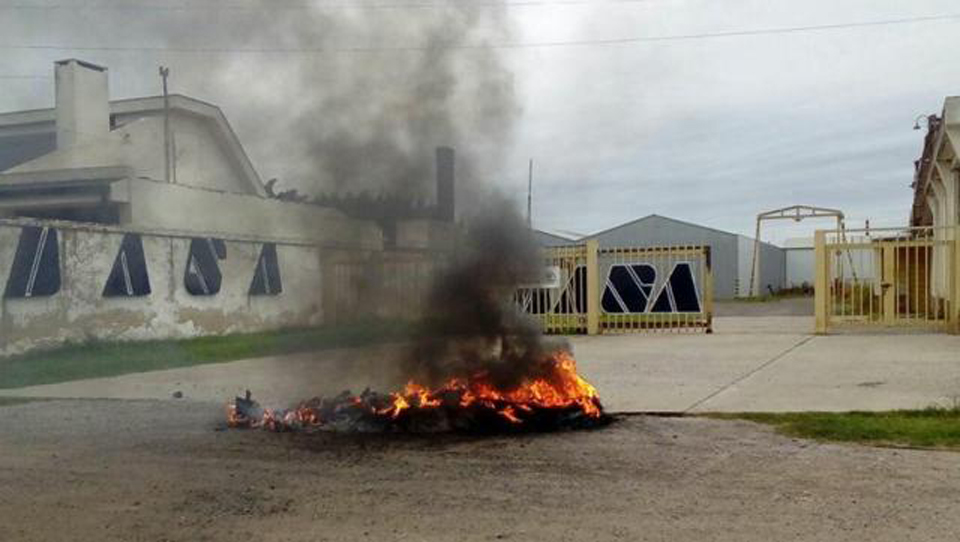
(679, 293)
(36, 264)
(266, 278)
(202, 275)
(629, 289)
(129, 277)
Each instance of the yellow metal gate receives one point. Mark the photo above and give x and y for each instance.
(588, 289)
(887, 278)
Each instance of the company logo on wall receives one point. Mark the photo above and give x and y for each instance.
(266, 279)
(202, 275)
(128, 277)
(36, 264)
(36, 267)
(629, 289)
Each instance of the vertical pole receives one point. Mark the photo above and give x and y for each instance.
(530, 195)
(708, 288)
(821, 283)
(593, 287)
(755, 271)
(889, 283)
(164, 72)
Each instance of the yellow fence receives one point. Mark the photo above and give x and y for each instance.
(893, 278)
(588, 289)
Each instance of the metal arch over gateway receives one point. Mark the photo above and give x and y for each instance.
(796, 213)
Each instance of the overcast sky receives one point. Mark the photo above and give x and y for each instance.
(706, 130)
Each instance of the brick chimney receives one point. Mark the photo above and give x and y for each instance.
(83, 102)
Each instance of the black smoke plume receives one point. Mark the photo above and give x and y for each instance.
(327, 97)
(471, 325)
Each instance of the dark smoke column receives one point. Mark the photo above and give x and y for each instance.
(446, 191)
(471, 325)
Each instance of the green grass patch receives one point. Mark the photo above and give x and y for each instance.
(98, 360)
(933, 427)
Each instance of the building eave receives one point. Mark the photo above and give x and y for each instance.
(36, 180)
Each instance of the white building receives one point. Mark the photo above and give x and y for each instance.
(800, 262)
(94, 160)
(143, 218)
(936, 192)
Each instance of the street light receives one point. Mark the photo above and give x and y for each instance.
(916, 122)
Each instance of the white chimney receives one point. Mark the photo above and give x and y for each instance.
(83, 102)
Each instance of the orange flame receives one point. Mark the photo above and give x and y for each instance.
(561, 388)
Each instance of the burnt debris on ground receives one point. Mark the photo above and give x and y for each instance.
(373, 412)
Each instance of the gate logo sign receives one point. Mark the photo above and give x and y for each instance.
(630, 289)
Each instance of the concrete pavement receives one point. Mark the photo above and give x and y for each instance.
(770, 363)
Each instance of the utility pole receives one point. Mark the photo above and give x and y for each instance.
(164, 73)
(530, 195)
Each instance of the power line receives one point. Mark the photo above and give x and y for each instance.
(482, 46)
(234, 6)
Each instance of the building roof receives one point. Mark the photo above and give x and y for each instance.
(551, 238)
(943, 136)
(38, 123)
(656, 217)
(636, 221)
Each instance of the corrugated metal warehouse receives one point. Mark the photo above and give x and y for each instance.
(732, 254)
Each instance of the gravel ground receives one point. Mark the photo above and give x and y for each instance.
(166, 470)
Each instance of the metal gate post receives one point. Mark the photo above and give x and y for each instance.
(821, 283)
(593, 287)
(708, 288)
(888, 284)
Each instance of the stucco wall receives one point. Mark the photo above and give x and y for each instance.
(161, 206)
(79, 312)
(200, 159)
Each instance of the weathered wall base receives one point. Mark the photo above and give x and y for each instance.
(79, 311)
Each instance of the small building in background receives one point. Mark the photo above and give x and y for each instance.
(800, 260)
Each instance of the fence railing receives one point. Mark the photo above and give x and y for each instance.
(584, 289)
(588, 289)
(892, 277)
